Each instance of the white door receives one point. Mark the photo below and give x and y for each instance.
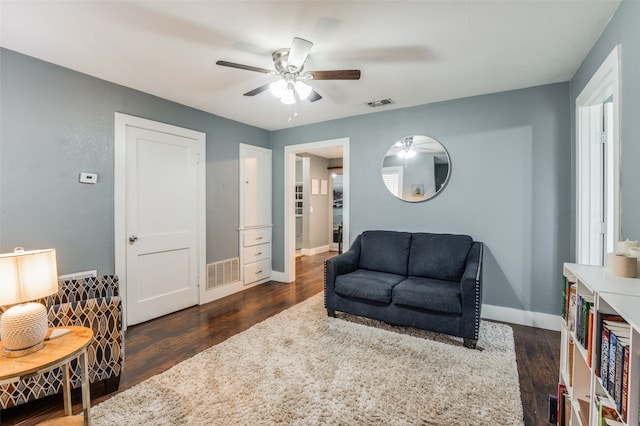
(163, 229)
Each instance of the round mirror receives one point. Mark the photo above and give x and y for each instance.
(416, 168)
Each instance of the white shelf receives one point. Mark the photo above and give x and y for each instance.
(611, 295)
(598, 279)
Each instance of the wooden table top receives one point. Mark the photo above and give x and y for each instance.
(68, 346)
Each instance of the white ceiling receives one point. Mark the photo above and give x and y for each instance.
(414, 52)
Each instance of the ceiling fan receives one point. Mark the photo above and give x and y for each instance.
(289, 65)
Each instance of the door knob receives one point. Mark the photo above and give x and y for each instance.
(133, 238)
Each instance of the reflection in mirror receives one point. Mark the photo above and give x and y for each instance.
(416, 168)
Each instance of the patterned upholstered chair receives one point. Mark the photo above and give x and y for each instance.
(89, 302)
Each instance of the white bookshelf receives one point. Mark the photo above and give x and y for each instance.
(610, 295)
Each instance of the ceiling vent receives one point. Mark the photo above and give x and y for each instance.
(379, 103)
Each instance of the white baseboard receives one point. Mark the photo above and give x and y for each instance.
(517, 316)
(227, 290)
(315, 250)
(279, 276)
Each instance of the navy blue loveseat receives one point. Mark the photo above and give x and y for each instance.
(422, 280)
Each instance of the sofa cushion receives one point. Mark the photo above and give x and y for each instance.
(429, 294)
(439, 256)
(367, 285)
(385, 251)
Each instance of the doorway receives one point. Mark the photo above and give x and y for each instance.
(330, 150)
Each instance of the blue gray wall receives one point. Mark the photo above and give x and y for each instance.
(623, 30)
(509, 186)
(56, 123)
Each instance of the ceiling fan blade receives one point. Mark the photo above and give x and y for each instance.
(243, 67)
(314, 96)
(299, 52)
(335, 75)
(258, 90)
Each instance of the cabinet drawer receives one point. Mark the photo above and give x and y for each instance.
(253, 237)
(255, 253)
(257, 271)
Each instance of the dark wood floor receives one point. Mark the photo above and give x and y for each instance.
(156, 345)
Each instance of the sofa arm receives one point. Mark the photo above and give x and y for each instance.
(338, 265)
(471, 293)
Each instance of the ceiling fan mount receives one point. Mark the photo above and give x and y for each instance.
(289, 65)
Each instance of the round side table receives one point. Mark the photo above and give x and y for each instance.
(58, 352)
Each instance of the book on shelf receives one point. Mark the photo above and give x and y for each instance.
(565, 293)
(625, 384)
(614, 360)
(571, 307)
(603, 342)
(560, 409)
(606, 410)
(622, 346)
(571, 355)
(589, 342)
(584, 304)
(567, 410)
(605, 330)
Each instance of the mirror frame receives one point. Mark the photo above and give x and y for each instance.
(408, 144)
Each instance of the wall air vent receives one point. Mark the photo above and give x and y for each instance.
(223, 272)
(379, 103)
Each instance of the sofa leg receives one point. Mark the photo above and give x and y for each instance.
(111, 384)
(469, 343)
(331, 313)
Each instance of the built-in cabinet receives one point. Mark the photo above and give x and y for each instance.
(600, 347)
(255, 214)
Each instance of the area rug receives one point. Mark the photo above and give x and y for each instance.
(301, 367)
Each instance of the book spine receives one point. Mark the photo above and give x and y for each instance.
(617, 386)
(611, 378)
(625, 383)
(586, 308)
(565, 298)
(562, 392)
(604, 355)
(578, 317)
(590, 338)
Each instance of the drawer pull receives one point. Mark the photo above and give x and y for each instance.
(258, 253)
(259, 272)
(258, 238)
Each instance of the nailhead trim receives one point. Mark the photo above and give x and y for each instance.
(477, 313)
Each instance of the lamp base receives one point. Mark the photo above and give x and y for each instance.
(23, 328)
(16, 353)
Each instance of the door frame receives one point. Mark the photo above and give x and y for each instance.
(121, 122)
(290, 152)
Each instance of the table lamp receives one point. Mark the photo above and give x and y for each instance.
(25, 276)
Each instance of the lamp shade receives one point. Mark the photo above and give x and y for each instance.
(27, 275)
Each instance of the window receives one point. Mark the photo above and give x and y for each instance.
(598, 175)
(392, 177)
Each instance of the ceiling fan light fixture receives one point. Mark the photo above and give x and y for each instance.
(303, 89)
(405, 154)
(288, 96)
(278, 88)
